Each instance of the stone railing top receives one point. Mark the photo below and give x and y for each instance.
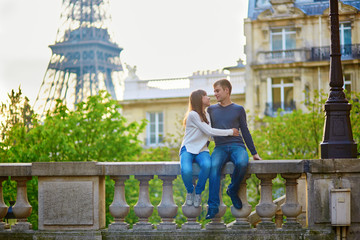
(334, 165)
(15, 169)
(172, 168)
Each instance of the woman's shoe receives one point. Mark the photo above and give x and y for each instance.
(189, 199)
(197, 200)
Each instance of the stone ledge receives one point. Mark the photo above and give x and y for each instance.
(66, 169)
(15, 169)
(343, 165)
(153, 168)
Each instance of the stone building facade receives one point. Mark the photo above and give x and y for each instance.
(288, 51)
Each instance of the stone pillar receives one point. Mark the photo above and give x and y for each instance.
(22, 209)
(266, 209)
(216, 223)
(291, 208)
(242, 214)
(191, 213)
(3, 207)
(167, 208)
(119, 209)
(143, 208)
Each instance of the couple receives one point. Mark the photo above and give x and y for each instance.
(221, 121)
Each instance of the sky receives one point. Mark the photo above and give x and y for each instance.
(162, 38)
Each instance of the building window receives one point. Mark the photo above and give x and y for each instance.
(282, 40)
(347, 83)
(345, 39)
(155, 128)
(280, 95)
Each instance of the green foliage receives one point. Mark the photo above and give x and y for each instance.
(354, 98)
(294, 135)
(95, 131)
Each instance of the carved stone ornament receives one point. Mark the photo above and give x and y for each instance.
(281, 9)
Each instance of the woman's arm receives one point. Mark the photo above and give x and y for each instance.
(205, 128)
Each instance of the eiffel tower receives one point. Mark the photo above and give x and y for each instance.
(85, 58)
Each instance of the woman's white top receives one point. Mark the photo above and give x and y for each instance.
(197, 133)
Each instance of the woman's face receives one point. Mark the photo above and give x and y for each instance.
(206, 100)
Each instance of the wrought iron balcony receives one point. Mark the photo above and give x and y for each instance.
(348, 51)
(271, 109)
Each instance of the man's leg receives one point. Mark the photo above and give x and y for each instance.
(240, 158)
(218, 158)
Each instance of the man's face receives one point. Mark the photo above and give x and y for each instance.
(220, 93)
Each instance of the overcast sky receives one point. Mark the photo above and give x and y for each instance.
(163, 38)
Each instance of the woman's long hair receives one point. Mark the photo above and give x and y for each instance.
(196, 104)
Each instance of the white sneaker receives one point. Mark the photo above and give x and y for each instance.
(197, 200)
(189, 199)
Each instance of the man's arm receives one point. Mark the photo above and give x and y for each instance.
(246, 133)
(256, 157)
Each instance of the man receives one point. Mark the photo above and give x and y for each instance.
(227, 115)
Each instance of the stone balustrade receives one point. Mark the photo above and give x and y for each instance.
(71, 200)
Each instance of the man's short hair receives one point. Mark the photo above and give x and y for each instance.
(224, 83)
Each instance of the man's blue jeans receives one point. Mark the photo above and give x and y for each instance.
(221, 154)
(186, 161)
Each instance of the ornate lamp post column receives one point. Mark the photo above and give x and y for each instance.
(338, 139)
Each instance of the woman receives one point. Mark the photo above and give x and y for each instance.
(194, 145)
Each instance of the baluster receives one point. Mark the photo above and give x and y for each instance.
(301, 193)
(279, 218)
(22, 209)
(242, 214)
(266, 208)
(3, 207)
(167, 208)
(119, 209)
(143, 208)
(216, 223)
(191, 213)
(291, 208)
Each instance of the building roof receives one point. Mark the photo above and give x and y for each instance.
(309, 7)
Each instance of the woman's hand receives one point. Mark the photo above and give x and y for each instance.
(235, 132)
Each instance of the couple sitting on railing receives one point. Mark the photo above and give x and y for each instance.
(222, 121)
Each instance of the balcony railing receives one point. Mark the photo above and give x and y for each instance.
(348, 51)
(271, 109)
(283, 56)
(71, 201)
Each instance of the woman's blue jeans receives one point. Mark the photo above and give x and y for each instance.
(186, 161)
(221, 154)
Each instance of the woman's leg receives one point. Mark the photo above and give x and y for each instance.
(203, 159)
(186, 160)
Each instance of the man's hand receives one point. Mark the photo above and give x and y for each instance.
(235, 132)
(256, 157)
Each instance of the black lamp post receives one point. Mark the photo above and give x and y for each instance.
(338, 139)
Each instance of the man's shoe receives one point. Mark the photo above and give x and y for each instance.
(211, 213)
(197, 200)
(189, 199)
(236, 201)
